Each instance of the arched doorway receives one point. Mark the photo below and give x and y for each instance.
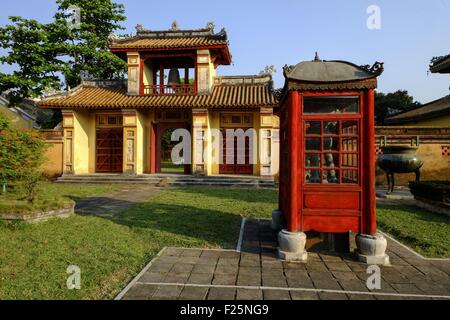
(163, 148)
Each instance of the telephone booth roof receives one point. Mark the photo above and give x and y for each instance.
(331, 75)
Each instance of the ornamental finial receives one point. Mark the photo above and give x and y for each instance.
(316, 58)
(174, 26)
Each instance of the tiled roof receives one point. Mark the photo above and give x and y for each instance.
(440, 64)
(330, 75)
(168, 43)
(252, 95)
(171, 39)
(426, 111)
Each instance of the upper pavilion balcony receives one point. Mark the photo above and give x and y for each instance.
(169, 76)
(171, 89)
(174, 61)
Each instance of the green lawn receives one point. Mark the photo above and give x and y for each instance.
(425, 232)
(170, 167)
(50, 196)
(110, 251)
(34, 258)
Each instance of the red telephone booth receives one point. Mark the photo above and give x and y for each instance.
(327, 164)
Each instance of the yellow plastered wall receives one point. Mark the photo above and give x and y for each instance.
(148, 73)
(275, 154)
(53, 166)
(206, 71)
(134, 76)
(257, 127)
(83, 142)
(200, 123)
(214, 123)
(212, 74)
(143, 129)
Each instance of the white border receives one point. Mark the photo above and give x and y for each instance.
(241, 235)
(369, 293)
(139, 275)
(411, 250)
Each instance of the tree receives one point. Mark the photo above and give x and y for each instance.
(30, 49)
(86, 45)
(48, 54)
(392, 103)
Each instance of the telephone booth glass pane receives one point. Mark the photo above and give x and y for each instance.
(331, 152)
(330, 105)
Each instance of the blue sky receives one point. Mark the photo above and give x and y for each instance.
(288, 31)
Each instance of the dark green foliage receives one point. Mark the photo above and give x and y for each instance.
(21, 156)
(390, 103)
(29, 46)
(87, 46)
(433, 190)
(47, 53)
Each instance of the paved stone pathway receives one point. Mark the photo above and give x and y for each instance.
(256, 273)
(110, 204)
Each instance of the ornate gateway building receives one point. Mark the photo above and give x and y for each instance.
(121, 126)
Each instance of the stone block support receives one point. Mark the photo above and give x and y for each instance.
(206, 72)
(292, 246)
(134, 73)
(199, 141)
(371, 249)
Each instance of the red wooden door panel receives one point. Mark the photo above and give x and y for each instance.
(109, 155)
(236, 166)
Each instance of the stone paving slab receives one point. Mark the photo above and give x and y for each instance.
(256, 273)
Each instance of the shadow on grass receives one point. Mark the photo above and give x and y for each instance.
(240, 194)
(100, 205)
(177, 222)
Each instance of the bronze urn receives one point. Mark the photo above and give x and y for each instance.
(399, 159)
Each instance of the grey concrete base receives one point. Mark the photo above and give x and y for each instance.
(378, 260)
(396, 195)
(278, 222)
(293, 256)
(292, 246)
(371, 249)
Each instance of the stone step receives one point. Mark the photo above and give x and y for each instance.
(172, 180)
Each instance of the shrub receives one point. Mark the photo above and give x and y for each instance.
(433, 190)
(21, 156)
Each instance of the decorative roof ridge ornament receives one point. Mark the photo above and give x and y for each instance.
(174, 26)
(210, 26)
(140, 28)
(114, 37)
(316, 58)
(288, 69)
(377, 68)
(176, 32)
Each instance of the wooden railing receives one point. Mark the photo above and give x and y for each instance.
(172, 89)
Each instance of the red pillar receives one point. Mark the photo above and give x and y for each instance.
(369, 167)
(153, 149)
(294, 152)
